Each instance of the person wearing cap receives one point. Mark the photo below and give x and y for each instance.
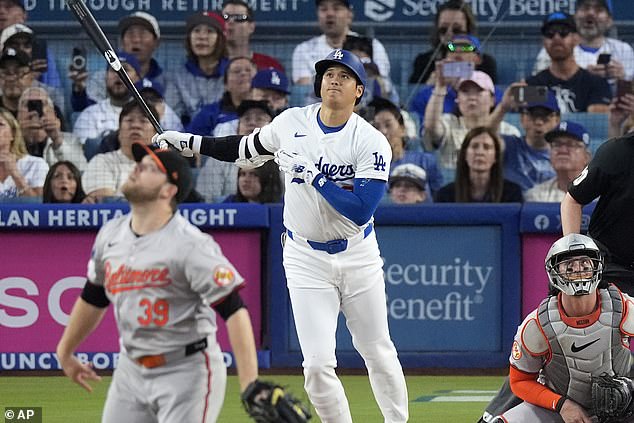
(168, 282)
(527, 158)
(271, 85)
(106, 173)
(102, 117)
(42, 130)
(453, 17)
(237, 82)
(240, 23)
(445, 132)
(334, 18)
(480, 172)
(200, 80)
(139, 35)
(407, 184)
(577, 89)
(217, 179)
(11, 12)
(459, 48)
(569, 155)
(594, 21)
(336, 167)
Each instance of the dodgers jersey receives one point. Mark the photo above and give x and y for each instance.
(161, 284)
(358, 150)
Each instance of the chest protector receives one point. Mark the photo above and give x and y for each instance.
(577, 353)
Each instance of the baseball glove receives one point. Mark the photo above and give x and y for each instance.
(612, 398)
(267, 402)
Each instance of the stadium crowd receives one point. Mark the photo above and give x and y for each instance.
(458, 137)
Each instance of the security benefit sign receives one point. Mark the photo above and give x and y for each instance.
(443, 295)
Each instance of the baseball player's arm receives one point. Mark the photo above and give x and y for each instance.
(526, 387)
(571, 212)
(84, 318)
(243, 345)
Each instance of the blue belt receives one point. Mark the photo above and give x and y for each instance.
(334, 246)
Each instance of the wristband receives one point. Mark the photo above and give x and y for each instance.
(560, 403)
(194, 143)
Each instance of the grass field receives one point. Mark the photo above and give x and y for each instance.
(438, 399)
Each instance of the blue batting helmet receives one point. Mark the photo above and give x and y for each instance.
(343, 58)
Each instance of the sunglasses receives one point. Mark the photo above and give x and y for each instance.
(235, 18)
(563, 33)
(461, 48)
(454, 29)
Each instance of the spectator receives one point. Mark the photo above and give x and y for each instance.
(240, 22)
(335, 18)
(237, 80)
(569, 155)
(460, 48)
(21, 175)
(260, 185)
(106, 173)
(453, 18)
(15, 77)
(594, 20)
(99, 119)
(200, 80)
(21, 37)
(271, 85)
(577, 89)
(217, 179)
(479, 173)
(621, 115)
(42, 130)
(140, 36)
(446, 131)
(63, 184)
(377, 85)
(407, 184)
(527, 158)
(388, 119)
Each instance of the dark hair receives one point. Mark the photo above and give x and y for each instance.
(239, 3)
(463, 181)
(354, 42)
(131, 106)
(459, 5)
(380, 104)
(224, 77)
(47, 194)
(269, 176)
(220, 49)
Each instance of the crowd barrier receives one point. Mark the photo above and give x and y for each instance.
(459, 279)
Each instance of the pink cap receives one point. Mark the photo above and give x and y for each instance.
(481, 79)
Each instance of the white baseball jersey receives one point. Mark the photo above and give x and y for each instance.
(161, 284)
(357, 150)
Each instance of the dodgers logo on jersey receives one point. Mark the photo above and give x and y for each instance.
(379, 162)
(335, 172)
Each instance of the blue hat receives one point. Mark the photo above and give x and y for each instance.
(572, 129)
(343, 58)
(550, 103)
(605, 3)
(559, 18)
(467, 39)
(130, 59)
(271, 79)
(148, 84)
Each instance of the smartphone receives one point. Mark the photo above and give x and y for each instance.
(530, 94)
(461, 70)
(39, 53)
(35, 106)
(604, 58)
(624, 87)
(78, 59)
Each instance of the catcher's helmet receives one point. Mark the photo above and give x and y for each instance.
(574, 265)
(342, 58)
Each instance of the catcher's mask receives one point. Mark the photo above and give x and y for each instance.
(574, 265)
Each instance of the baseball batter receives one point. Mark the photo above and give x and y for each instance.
(162, 275)
(580, 333)
(336, 166)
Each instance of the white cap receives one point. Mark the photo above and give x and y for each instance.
(12, 30)
(140, 18)
(409, 172)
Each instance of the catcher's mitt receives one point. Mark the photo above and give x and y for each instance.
(267, 402)
(612, 398)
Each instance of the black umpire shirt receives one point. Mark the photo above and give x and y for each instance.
(610, 176)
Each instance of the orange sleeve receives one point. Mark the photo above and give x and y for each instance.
(525, 386)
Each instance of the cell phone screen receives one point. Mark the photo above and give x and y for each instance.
(603, 59)
(460, 70)
(35, 106)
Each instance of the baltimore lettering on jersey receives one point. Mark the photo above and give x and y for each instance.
(127, 279)
(94, 216)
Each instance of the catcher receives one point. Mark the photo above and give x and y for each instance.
(570, 356)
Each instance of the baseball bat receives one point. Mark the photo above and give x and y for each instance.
(92, 28)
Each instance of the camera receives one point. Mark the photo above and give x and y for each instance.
(530, 94)
(78, 59)
(35, 106)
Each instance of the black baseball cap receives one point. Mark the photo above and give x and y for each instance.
(16, 55)
(247, 105)
(170, 162)
(559, 19)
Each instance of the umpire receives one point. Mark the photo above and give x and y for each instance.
(609, 176)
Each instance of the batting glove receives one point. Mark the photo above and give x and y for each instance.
(186, 143)
(298, 167)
